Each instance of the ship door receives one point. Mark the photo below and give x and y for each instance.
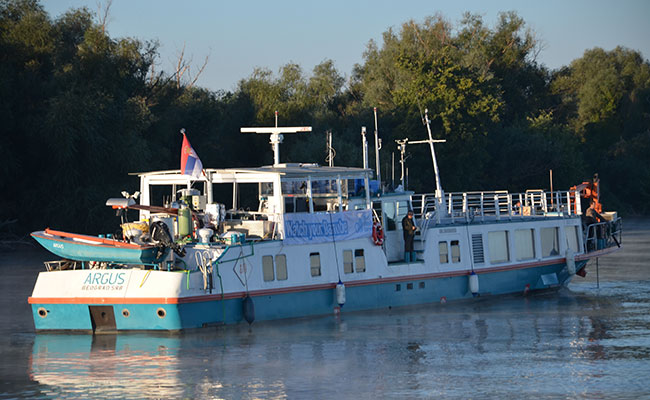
(102, 318)
(393, 211)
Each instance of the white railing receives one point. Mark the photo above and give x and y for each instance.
(603, 235)
(471, 206)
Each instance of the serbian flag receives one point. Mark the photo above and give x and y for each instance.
(190, 162)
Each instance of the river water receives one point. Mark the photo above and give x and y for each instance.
(589, 340)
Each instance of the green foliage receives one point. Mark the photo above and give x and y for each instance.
(81, 109)
(604, 100)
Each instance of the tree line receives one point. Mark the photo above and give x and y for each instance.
(80, 110)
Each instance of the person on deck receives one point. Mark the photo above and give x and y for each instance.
(592, 217)
(409, 234)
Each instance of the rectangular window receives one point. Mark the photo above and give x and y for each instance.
(550, 242)
(444, 252)
(498, 247)
(409, 286)
(524, 244)
(314, 263)
(572, 238)
(281, 267)
(455, 251)
(347, 261)
(359, 260)
(267, 268)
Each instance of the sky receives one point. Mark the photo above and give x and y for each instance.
(239, 36)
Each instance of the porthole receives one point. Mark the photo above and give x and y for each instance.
(42, 312)
(126, 313)
(161, 312)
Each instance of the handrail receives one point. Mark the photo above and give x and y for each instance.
(602, 235)
(500, 204)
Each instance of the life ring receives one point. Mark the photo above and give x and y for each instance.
(377, 233)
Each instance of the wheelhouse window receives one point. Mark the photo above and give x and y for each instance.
(524, 244)
(550, 242)
(498, 246)
(443, 250)
(314, 263)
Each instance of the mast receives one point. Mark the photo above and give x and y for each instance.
(364, 146)
(377, 148)
(439, 192)
(276, 136)
(401, 145)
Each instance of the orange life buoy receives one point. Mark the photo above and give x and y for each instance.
(377, 233)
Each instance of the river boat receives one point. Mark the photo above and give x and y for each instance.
(297, 240)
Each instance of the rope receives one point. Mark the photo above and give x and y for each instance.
(336, 253)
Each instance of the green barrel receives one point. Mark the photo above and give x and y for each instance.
(184, 222)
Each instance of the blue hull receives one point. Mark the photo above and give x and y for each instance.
(300, 303)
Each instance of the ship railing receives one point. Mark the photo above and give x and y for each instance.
(603, 235)
(494, 205)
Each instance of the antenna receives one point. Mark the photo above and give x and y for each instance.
(331, 153)
(276, 136)
(364, 146)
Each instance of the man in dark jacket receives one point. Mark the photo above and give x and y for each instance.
(409, 228)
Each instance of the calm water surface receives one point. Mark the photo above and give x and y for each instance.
(578, 342)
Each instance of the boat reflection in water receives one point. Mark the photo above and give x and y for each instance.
(557, 337)
(107, 365)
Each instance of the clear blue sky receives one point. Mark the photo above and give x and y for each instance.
(241, 35)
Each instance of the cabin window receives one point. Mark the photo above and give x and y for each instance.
(266, 188)
(267, 268)
(347, 261)
(455, 251)
(281, 267)
(360, 260)
(572, 238)
(444, 252)
(550, 242)
(524, 244)
(314, 263)
(498, 247)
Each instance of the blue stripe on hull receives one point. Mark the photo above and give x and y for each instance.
(298, 304)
